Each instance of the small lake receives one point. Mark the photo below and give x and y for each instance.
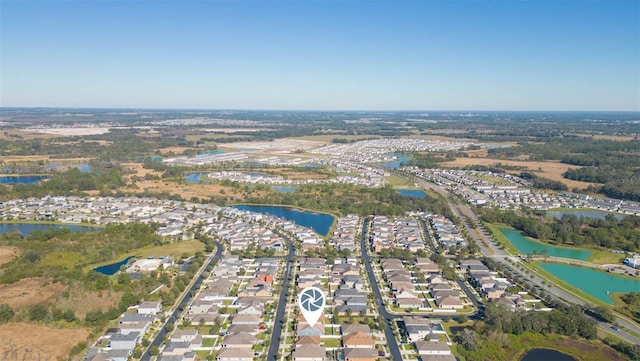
(543, 354)
(26, 228)
(583, 213)
(284, 189)
(84, 168)
(401, 159)
(319, 222)
(414, 193)
(197, 178)
(592, 282)
(22, 179)
(527, 246)
(113, 268)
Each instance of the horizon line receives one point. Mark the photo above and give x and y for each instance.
(321, 110)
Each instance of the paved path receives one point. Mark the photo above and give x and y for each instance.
(491, 250)
(187, 295)
(388, 331)
(274, 345)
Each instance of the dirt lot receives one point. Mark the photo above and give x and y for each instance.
(30, 291)
(7, 254)
(43, 343)
(551, 170)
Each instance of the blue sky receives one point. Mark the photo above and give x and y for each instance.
(322, 55)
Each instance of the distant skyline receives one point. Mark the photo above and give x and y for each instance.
(321, 55)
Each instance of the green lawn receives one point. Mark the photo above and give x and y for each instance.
(332, 342)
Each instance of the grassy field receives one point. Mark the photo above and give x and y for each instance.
(396, 181)
(173, 249)
(551, 170)
(66, 259)
(24, 341)
(604, 257)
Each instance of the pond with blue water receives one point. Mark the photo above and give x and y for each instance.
(414, 193)
(198, 178)
(113, 268)
(595, 283)
(22, 179)
(318, 222)
(283, 189)
(525, 245)
(401, 159)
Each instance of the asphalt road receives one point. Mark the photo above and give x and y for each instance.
(389, 318)
(274, 345)
(489, 249)
(157, 341)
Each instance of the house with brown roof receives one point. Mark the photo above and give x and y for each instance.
(308, 340)
(358, 340)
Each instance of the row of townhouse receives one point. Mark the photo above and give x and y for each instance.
(406, 290)
(344, 234)
(397, 232)
(446, 233)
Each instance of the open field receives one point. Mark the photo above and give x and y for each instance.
(551, 170)
(189, 190)
(30, 291)
(35, 158)
(174, 249)
(24, 135)
(8, 253)
(608, 137)
(82, 301)
(66, 259)
(283, 146)
(71, 131)
(23, 341)
(328, 137)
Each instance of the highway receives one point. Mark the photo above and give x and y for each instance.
(489, 249)
(389, 318)
(274, 345)
(187, 295)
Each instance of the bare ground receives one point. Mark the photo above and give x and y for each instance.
(30, 291)
(8, 253)
(24, 341)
